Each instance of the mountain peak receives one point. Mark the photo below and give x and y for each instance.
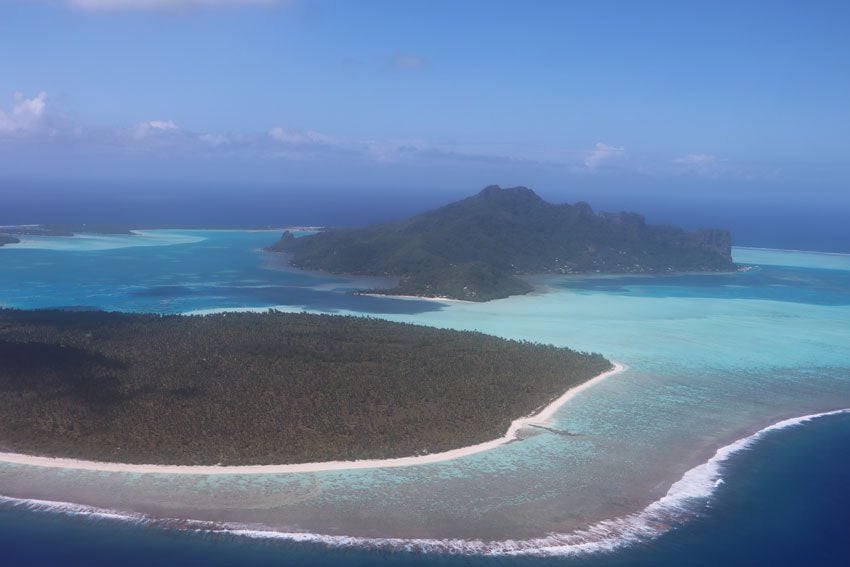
(513, 193)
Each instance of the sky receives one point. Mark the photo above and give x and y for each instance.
(604, 101)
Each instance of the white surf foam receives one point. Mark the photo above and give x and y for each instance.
(71, 509)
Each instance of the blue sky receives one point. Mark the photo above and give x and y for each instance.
(740, 99)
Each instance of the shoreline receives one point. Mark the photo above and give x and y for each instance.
(29, 241)
(436, 298)
(680, 504)
(511, 435)
(763, 249)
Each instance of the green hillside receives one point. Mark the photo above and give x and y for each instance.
(474, 249)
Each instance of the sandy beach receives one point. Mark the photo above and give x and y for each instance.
(538, 418)
(438, 299)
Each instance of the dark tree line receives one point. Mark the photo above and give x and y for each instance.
(247, 388)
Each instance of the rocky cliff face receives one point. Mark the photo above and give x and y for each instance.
(719, 241)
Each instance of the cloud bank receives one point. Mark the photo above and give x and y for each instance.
(30, 122)
(153, 127)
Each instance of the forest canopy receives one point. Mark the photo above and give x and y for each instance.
(263, 388)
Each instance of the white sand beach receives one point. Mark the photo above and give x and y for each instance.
(438, 298)
(538, 418)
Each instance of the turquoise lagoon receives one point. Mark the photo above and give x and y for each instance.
(712, 360)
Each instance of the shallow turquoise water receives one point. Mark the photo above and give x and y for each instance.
(172, 272)
(712, 358)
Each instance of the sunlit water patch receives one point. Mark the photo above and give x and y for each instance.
(798, 258)
(90, 242)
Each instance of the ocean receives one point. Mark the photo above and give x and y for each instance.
(712, 360)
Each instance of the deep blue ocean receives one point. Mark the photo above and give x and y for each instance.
(805, 223)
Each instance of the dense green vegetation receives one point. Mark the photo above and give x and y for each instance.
(474, 249)
(6, 239)
(248, 388)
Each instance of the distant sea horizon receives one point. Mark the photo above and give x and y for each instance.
(817, 225)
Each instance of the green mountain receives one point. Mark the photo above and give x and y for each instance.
(475, 248)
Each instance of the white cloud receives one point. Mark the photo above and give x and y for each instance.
(602, 156)
(162, 125)
(26, 117)
(145, 129)
(152, 5)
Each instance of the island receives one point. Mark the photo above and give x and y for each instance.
(476, 249)
(7, 239)
(263, 388)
